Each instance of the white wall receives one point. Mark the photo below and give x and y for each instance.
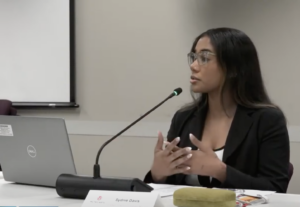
(131, 54)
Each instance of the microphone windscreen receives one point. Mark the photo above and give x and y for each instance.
(177, 91)
(204, 197)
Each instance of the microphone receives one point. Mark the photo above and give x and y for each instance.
(75, 186)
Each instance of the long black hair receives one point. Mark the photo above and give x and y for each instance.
(238, 58)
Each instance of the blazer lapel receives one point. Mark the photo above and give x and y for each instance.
(197, 128)
(239, 128)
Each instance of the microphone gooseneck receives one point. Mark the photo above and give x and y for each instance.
(76, 186)
(176, 92)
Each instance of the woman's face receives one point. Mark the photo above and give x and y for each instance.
(207, 76)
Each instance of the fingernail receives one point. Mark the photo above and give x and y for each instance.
(188, 149)
(189, 155)
(188, 168)
(177, 139)
(191, 136)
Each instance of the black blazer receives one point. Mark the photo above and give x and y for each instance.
(256, 152)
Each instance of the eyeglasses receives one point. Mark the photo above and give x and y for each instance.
(202, 57)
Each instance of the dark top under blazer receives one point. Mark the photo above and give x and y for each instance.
(256, 152)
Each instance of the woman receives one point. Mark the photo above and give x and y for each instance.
(232, 135)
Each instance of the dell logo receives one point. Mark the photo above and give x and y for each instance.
(31, 151)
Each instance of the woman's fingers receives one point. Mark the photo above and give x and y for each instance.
(182, 166)
(159, 143)
(179, 153)
(177, 156)
(171, 146)
(183, 170)
(174, 149)
(176, 163)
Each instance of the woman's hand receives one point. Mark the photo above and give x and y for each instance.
(167, 161)
(205, 161)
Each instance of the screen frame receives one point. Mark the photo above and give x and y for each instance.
(72, 103)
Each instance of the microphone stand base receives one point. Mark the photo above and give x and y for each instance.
(75, 186)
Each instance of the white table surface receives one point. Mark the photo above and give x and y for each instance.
(12, 194)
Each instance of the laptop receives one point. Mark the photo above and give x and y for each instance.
(34, 150)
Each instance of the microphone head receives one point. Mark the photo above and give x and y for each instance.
(177, 91)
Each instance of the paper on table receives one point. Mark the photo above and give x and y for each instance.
(165, 190)
(250, 192)
(257, 192)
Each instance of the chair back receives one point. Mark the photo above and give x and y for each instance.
(6, 108)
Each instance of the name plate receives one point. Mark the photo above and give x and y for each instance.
(122, 199)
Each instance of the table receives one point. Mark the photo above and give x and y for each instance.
(12, 194)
